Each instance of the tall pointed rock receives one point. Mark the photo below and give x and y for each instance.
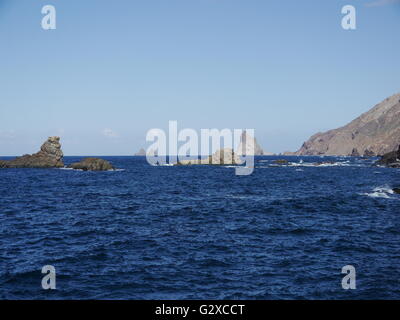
(249, 146)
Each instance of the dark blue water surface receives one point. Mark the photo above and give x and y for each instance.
(200, 232)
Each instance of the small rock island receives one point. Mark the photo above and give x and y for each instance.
(92, 164)
(221, 157)
(51, 156)
(140, 153)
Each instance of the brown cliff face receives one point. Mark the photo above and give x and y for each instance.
(49, 156)
(375, 132)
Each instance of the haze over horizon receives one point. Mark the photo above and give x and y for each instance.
(113, 70)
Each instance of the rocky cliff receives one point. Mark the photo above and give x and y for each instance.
(49, 156)
(375, 132)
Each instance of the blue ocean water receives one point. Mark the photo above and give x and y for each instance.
(200, 232)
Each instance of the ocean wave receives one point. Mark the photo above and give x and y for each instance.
(319, 165)
(380, 192)
(313, 164)
(72, 169)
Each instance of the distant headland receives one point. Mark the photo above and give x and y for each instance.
(374, 133)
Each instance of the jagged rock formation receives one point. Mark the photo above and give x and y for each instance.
(375, 132)
(224, 156)
(49, 156)
(92, 164)
(221, 157)
(391, 159)
(141, 152)
(248, 146)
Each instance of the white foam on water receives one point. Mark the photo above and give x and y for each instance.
(65, 168)
(322, 165)
(380, 192)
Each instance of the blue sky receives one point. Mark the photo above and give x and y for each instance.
(114, 69)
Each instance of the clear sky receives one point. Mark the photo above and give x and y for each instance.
(114, 69)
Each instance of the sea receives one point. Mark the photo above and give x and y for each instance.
(201, 232)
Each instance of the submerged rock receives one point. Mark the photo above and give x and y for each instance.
(396, 190)
(92, 164)
(281, 161)
(49, 156)
(391, 159)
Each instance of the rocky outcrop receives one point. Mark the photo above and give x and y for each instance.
(368, 153)
(140, 153)
(396, 190)
(225, 157)
(375, 132)
(354, 153)
(248, 146)
(92, 164)
(49, 156)
(391, 159)
(221, 157)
